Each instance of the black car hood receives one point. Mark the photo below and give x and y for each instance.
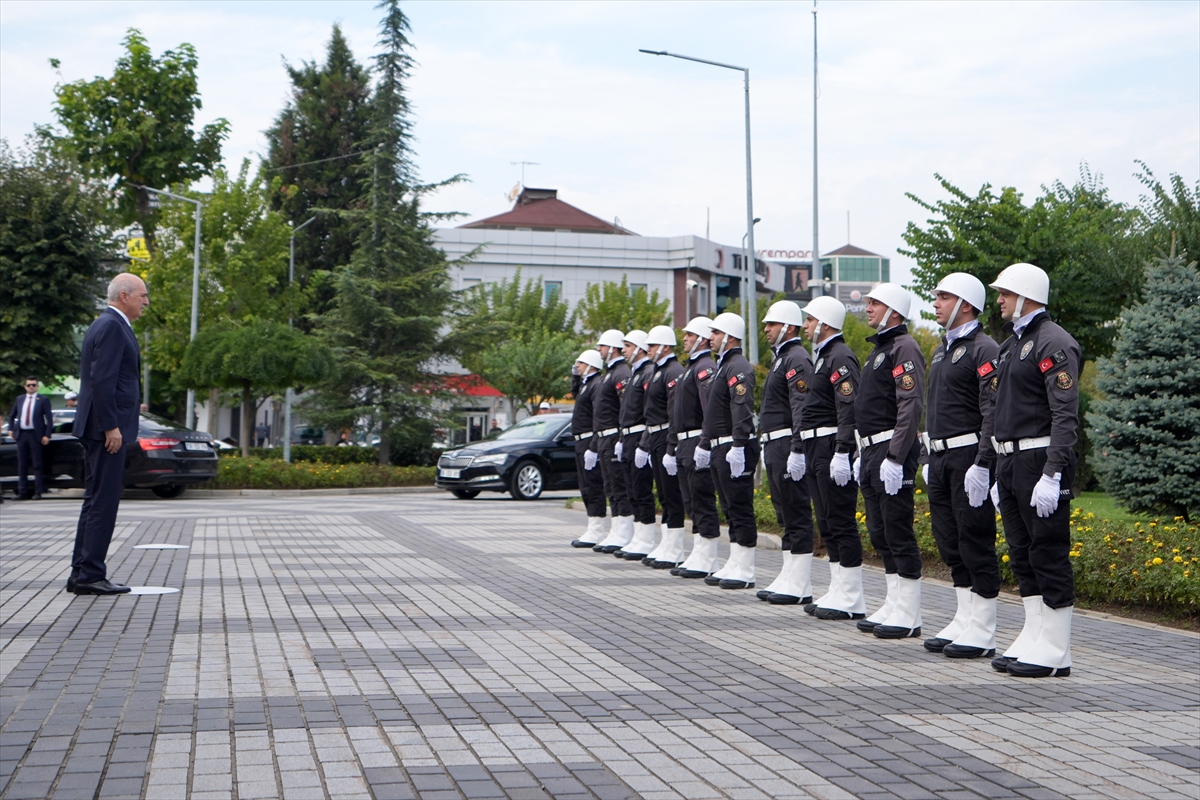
(499, 446)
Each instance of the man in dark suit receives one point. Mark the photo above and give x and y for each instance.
(107, 420)
(30, 423)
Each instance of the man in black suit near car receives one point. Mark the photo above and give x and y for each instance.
(107, 420)
(30, 425)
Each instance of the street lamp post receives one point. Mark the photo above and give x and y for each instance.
(751, 322)
(817, 272)
(287, 398)
(747, 285)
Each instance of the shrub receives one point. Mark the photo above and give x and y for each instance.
(319, 453)
(253, 473)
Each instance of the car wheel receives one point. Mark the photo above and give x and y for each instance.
(465, 494)
(528, 480)
(170, 490)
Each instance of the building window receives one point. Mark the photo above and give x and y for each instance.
(552, 289)
(467, 283)
(887, 270)
(633, 287)
(704, 300)
(864, 270)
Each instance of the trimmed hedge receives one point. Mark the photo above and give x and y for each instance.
(312, 453)
(252, 473)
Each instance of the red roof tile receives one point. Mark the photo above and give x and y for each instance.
(540, 209)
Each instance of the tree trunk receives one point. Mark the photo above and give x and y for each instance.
(385, 448)
(247, 419)
(214, 396)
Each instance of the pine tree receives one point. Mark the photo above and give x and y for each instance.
(1147, 430)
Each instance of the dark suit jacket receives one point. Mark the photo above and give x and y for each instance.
(43, 419)
(109, 385)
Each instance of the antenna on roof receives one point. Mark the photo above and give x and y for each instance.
(523, 165)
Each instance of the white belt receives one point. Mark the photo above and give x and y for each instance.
(866, 441)
(720, 440)
(953, 443)
(816, 433)
(634, 429)
(608, 432)
(689, 435)
(773, 435)
(579, 437)
(657, 428)
(1033, 443)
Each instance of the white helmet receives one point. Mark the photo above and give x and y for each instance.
(827, 309)
(1025, 280)
(785, 311)
(591, 358)
(637, 338)
(892, 296)
(661, 334)
(611, 338)
(730, 324)
(966, 288)
(701, 326)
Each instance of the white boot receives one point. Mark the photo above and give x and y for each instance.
(889, 602)
(641, 544)
(846, 602)
(671, 551)
(730, 563)
(662, 542)
(798, 585)
(979, 639)
(1050, 655)
(596, 531)
(1029, 634)
(620, 535)
(962, 618)
(780, 579)
(905, 620)
(835, 569)
(742, 575)
(703, 560)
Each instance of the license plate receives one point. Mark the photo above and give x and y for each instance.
(196, 446)
(449, 473)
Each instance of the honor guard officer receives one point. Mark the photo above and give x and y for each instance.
(687, 424)
(660, 400)
(783, 450)
(827, 430)
(729, 443)
(633, 426)
(591, 483)
(887, 412)
(606, 429)
(958, 440)
(1037, 417)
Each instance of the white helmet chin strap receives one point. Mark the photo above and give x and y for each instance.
(1017, 309)
(887, 315)
(696, 346)
(954, 315)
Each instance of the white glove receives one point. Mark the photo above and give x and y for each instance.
(839, 469)
(670, 464)
(1045, 495)
(996, 495)
(640, 458)
(857, 469)
(736, 459)
(892, 475)
(590, 460)
(796, 466)
(925, 474)
(702, 458)
(976, 483)
(618, 450)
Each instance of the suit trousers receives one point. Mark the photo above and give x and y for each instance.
(98, 515)
(29, 455)
(669, 493)
(890, 516)
(737, 494)
(1038, 547)
(591, 482)
(965, 536)
(834, 505)
(790, 498)
(703, 493)
(614, 475)
(640, 482)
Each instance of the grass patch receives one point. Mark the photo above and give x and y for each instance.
(1104, 507)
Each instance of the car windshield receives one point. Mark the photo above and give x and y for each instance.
(544, 427)
(154, 423)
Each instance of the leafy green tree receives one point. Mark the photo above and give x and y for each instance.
(614, 305)
(52, 267)
(1147, 430)
(256, 357)
(528, 370)
(136, 126)
(1171, 214)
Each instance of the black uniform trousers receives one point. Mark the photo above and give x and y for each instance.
(834, 505)
(965, 536)
(639, 481)
(890, 516)
(98, 514)
(29, 455)
(669, 493)
(790, 498)
(737, 494)
(702, 489)
(614, 474)
(591, 482)
(1038, 548)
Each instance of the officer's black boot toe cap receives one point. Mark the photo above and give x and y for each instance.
(936, 645)
(963, 651)
(896, 632)
(1020, 669)
(1000, 663)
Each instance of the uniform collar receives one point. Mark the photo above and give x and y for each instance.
(883, 338)
(819, 346)
(122, 315)
(727, 354)
(1025, 321)
(961, 332)
(615, 361)
(588, 377)
(665, 359)
(779, 350)
(699, 355)
(638, 364)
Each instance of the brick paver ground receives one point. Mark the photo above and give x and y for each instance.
(418, 646)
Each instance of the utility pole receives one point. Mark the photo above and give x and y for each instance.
(818, 271)
(287, 397)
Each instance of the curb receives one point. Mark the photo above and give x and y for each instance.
(77, 494)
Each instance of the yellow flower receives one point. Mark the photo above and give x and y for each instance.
(1178, 559)
(1153, 524)
(1187, 573)
(1112, 566)
(1073, 554)
(1004, 558)
(919, 491)
(1129, 541)
(1176, 550)
(1157, 561)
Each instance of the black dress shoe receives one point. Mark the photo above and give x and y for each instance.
(647, 561)
(102, 586)
(1022, 670)
(636, 557)
(582, 543)
(71, 584)
(712, 580)
(896, 632)
(936, 645)
(837, 614)
(24, 497)
(762, 594)
(692, 573)
(608, 549)
(726, 583)
(1000, 663)
(675, 570)
(777, 599)
(963, 651)
(866, 626)
(810, 609)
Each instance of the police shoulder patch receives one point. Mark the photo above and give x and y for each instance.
(741, 389)
(1026, 349)
(878, 360)
(846, 388)
(1064, 381)
(959, 353)
(657, 375)
(820, 363)
(908, 382)
(995, 383)
(801, 386)
(1059, 357)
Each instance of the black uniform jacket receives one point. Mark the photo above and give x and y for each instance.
(782, 407)
(730, 407)
(829, 396)
(1036, 389)
(691, 393)
(585, 397)
(606, 406)
(960, 399)
(633, 403)
(891, 390)
(660, 397)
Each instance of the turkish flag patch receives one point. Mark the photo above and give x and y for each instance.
(732, 381)
(702, 374)
(670, 384)
(791, 374)
(898, 371)
(1046, 364)
(986, 369)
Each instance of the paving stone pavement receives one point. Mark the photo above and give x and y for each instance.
(418, 646)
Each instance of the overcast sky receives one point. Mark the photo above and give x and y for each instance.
(1013, 94)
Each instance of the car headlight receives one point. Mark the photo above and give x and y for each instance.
(490, 458)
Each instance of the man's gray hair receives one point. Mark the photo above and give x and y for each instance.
(125, 282)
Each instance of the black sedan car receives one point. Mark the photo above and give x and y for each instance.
(166, 458)
(535, 455)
